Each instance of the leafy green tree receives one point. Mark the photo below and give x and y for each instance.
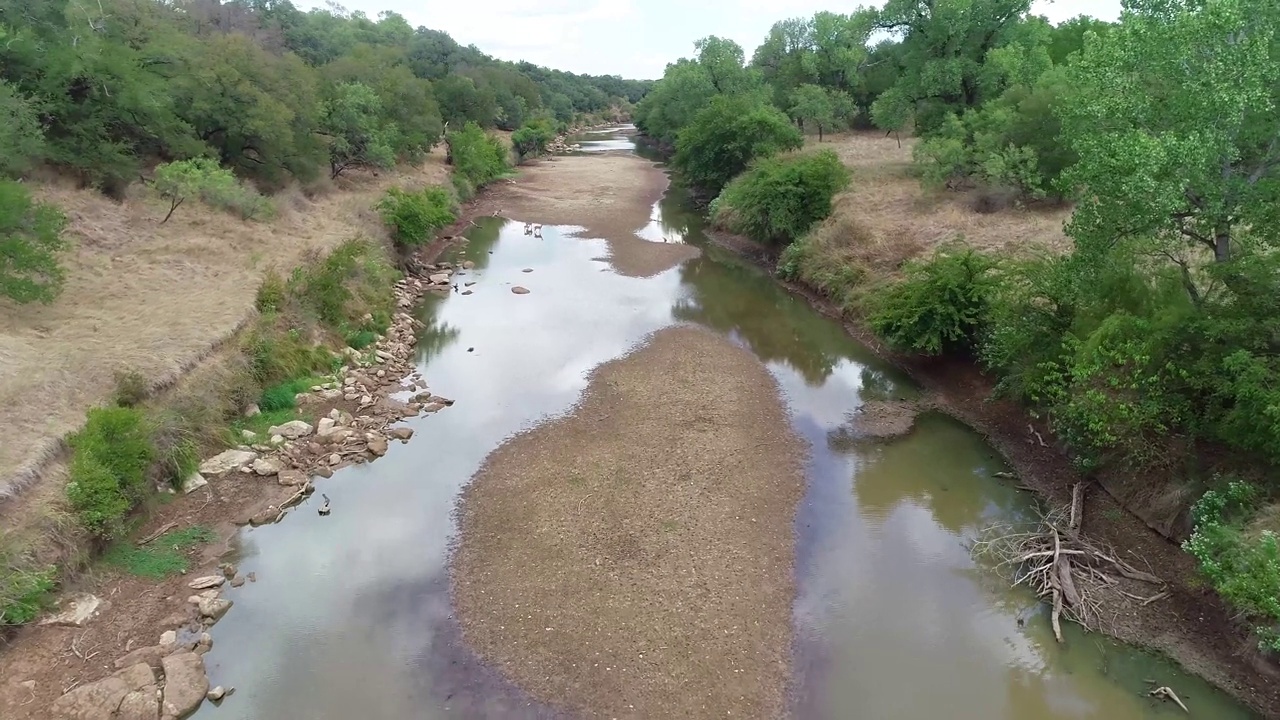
(182, 179)
(813, 106)
(358, 136)
(532, 138)
(777, 200)
(414, 217)
(1174, 124)
(21, 137)
(30, 238)
(685, 89)
(727, 135)
(406, 101)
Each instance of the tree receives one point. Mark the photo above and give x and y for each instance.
(177, 181)
(532, 138)
(30, 238)
(1174, 124)
(813, 105)
(727, 135)
(21, 137)
(358, 136)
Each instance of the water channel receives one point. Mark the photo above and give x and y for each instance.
(350, 616)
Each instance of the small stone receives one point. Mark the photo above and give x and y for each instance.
(527, 270)
(366, 400)
(520, 290)
(317, 388)
(194, 482)
(469, 284)
(382, 373)
(216, 694)
(323, 471)
(335, 458)
(267, 466)
(326, 423)
(214, 608)
(378, 446)
(252, 410)
(277, 439)
(466, 292)
(467, 265)
(401, 433)
(315, 448)
(168, 639)
(246, 470)
(438, 279)
(206, 582)
(289, 478)
(237, 581)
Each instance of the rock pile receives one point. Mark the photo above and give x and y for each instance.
(167, 680)
(560, 145)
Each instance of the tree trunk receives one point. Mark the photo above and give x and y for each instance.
(173, 205)
(1222, 244)
(819, 132)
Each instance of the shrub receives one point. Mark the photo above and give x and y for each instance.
(110, 459)
(1243, 568)
(477, 157)
(24, 593)
(727, 135)
(532, 138)
(941, 304)
(131, 388)
(30, 238)
(779, 199)
(275, 356)
(271, 293)
(415, 217)
(214, 185)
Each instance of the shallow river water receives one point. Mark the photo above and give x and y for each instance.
(350, 618)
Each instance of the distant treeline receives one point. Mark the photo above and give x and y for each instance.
(103, 89)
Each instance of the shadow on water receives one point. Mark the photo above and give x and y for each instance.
(350, 617)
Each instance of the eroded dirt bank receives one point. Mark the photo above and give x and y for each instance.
(1190, 625)
(634, 559)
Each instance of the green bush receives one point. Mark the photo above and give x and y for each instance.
(283, 396)
(941, 304)
(24, 593)
(1244, 568)
(276, 357)
(110, 459)
(271, 293)
(779, 199)
(213, 184)
(532, 138)
(727, 135)
(415, 217)
(477, 157)
(30, 238)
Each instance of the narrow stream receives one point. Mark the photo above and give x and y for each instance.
(350, 616)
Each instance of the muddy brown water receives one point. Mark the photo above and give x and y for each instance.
(350, 615)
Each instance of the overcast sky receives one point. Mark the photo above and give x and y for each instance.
(632, 38)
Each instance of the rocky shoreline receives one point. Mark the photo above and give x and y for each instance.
(358, 413)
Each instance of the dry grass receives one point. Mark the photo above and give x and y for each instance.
(886, 217)
(154, 298)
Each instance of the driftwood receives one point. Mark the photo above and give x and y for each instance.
(1074, 574)
(1167, 693)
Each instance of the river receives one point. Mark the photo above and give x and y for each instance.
(350, 615)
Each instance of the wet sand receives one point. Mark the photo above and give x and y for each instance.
(635, 558)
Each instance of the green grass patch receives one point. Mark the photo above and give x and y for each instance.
(162, 557)
(24, 593)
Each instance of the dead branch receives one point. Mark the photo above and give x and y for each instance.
(1080, 578)
(167, 527)
(1167, 693)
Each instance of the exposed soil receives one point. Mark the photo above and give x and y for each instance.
(609, 194)
(1192, 625)
(663, 506)
(883, 419)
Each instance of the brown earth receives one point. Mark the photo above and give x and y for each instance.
(155, 299)
(610, 194)
(1192, 625)
(663, 505)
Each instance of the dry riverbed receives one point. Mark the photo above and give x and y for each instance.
(634, 559)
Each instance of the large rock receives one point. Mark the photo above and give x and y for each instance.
(268, 466)
(194, 482)
(378, 445)
(95, 701)
(438, 279)
(335, 436)
(150, 655)
(325, 425)
(214, 608)
(226, 461)
(206, 582)
(80, 610)
(141, 704)
(401, 433)
(293, 429)
(291, 477)
(185, 683)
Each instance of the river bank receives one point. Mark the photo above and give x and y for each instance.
(1191, 625)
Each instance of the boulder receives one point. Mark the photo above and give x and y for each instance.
(226, 461)
(325, 425)
(252, 410)
(150, 655)
(378, 446)
(467, 265)
(216, 694)
(401, 433)
(185, 683)
(289, 478)
(138, 676)
(194, 482)
(214, 608)
(94, 701)
(438, 279)
(206, 582)
(292, 430)
(80, 610)
(268, 466)
(143, 704)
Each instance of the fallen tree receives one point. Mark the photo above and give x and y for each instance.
(1081, 579)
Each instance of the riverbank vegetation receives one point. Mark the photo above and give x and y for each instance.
(1146, 338)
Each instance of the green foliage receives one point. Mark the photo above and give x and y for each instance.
(1243, 567)
(30, 238)
(778, 199)
(109, 463)
(352, 120)
(727, 135)
(24, 593)
(941, 304)
(822, 108)
(532, 138)
(478, 158)
(21, 137)
(162, 557)
(282, 396)
(415, 217)
(205, 179)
